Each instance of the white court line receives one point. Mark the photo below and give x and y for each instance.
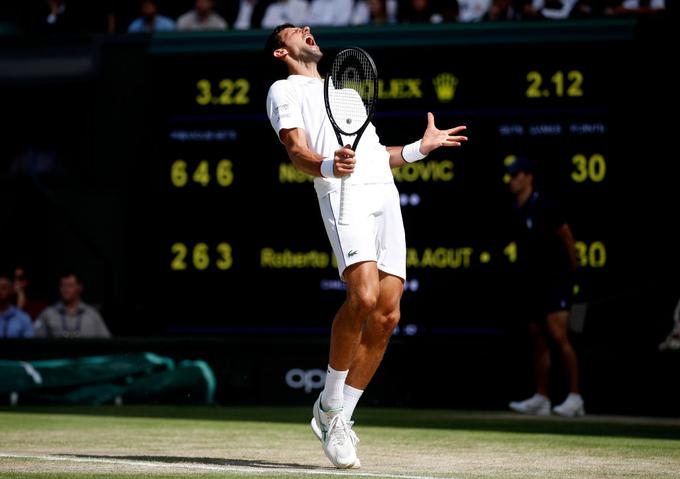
(213, 467)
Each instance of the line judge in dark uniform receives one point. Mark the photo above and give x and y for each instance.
(71, 317)
(546, 259)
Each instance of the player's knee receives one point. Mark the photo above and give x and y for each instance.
(363, 302)
(385, 323)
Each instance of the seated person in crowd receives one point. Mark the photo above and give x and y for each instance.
(672, 342)
(473, 10)
(202, 18)
(638, 7)
(244, 14)
(57, 18)
(369, 12)
(418, 11)
(23, 300)
(329, 12)
(285, 11)
(71, 317)
(549, 9)
(151, 20)
(14, 323)
(501, 10)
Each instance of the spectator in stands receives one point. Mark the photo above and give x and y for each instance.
(285, 11)
(672, 342)
(470, 11)
(202, 18)
(151, 20)
(369, 12)
(71, 317)
(329, 13)
(418, 11)
(447, 10)
(21, 285)
(638, 7)
(245, 14)
(588, 9)
(546, 258)
(14, 323)
(505, 10)
(58, 19)
(549, 9)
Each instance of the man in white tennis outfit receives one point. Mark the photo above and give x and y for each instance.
(370, 251)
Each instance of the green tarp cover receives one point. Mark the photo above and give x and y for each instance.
(138, 378)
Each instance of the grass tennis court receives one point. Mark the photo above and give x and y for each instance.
(222, 442)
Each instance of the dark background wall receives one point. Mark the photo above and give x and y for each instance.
(148, 163)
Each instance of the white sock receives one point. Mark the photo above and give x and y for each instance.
(332, 397)
(352, 396)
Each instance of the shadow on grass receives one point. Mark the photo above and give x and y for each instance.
(205, 461)
(622, 426)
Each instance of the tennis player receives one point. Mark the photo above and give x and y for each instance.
(371, 252)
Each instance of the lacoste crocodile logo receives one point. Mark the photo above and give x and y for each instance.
(351, 253)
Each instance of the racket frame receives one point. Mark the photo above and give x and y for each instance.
(343, 218)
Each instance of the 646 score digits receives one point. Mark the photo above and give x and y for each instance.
(184, 173)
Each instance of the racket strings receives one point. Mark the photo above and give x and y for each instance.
(352, 90)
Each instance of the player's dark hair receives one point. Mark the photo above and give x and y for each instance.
(273, 43)
(274, 40)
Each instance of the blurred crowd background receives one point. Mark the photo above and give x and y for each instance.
(117, 16)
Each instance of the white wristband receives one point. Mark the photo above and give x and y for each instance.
(327, 168)
(411, 152)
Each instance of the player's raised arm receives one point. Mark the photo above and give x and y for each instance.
(312, 163)
(432, 139)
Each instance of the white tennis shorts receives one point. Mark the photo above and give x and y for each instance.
(376, 230)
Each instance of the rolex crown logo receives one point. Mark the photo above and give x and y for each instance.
(445, 86)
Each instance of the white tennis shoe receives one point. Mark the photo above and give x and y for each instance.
(337, 438)
(537, 405)
(571, 407)
(353, 436)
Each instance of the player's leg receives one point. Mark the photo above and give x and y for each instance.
(329, 422)
(391, 254)
(354, 248)
(375, 336)
(363, 289)
(377, 332)
(355, 252)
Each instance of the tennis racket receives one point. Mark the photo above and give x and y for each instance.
(350, 95)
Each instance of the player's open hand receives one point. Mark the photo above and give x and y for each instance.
(435, 138)
(343, 162)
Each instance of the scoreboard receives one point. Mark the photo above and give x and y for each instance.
(232, 234)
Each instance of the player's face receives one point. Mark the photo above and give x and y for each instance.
(300, 44)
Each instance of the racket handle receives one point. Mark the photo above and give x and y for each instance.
(345, 201)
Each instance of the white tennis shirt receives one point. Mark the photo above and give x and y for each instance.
(297, 102)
